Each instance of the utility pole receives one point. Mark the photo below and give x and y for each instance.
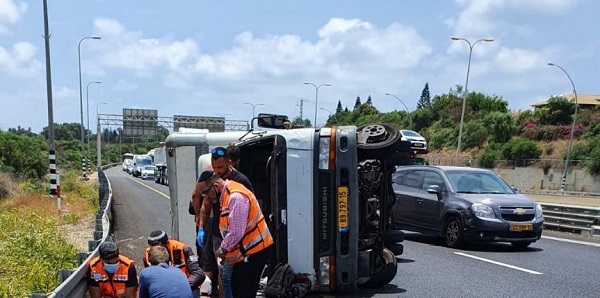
(54, 184)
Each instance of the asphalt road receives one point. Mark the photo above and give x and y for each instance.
(559, 265)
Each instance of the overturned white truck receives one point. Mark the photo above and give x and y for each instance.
(326, 193)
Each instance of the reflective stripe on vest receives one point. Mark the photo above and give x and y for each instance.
(119, 278)
(256, 236)
(174, 247)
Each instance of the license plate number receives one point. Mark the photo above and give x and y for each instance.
(418, 145)
(342, 195)
(519, 228)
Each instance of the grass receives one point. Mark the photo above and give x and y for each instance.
(32, 247)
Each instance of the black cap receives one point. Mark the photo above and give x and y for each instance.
(205, 175)
(108, 250)
(158, 237)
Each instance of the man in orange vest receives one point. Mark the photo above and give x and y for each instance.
(246, 236)
(111, 274)
(180, 256)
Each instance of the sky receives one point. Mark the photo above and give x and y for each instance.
(218, 58)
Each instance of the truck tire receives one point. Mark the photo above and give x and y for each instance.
(387, 267)
(376, 136)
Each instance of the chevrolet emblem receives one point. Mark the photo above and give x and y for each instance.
(519, 211)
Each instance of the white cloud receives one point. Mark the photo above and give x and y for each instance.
(348, 49)
(20, 60)
(519, 60)
(10, 13)
(123, 85)
(485, 17)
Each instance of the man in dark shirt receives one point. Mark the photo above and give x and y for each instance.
(162, 280)
(208, 219)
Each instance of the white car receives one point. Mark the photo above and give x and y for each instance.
(147, 172)
(417, 142)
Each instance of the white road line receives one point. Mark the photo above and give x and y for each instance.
(498, 263)
(154, 190)
(572, 241)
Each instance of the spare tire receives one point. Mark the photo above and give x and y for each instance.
(376, 136)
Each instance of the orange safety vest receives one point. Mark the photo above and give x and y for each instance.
(256, 236)
(176, 255)
(116, 286)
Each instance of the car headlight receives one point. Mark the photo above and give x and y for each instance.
(482, 210)
(538, 211)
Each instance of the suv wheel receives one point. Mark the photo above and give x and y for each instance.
(453, 232)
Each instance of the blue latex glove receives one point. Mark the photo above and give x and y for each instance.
(200, 237)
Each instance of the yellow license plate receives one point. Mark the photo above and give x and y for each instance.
(342, 195)
(418, 145)
(519, 228)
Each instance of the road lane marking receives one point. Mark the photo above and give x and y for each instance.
(154, 190)
(498, 263)
(572, 241)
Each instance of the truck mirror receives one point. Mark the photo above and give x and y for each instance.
(272, 121)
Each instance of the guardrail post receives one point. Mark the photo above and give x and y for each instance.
(92, 244)
(97, 235)
(63, 274)
(81, 257)
(36, 295)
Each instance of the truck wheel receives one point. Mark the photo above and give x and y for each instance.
(376, 136)
(386, 267)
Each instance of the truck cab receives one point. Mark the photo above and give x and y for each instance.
(327, 195)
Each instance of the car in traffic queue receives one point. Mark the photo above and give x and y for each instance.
(147, 172)
(464, 205)
(417, 142)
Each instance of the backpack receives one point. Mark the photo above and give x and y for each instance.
(280, 281)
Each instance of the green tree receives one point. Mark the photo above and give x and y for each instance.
(558, 111)
(339, 107)
(425, 99)
(520, 149)
(22, 155)
(369, 101)
(357, 102)
(500, 126)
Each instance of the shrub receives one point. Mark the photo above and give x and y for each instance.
(7, 185)
(520, 149)
(487, 158)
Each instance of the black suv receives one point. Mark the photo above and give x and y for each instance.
(463, 204)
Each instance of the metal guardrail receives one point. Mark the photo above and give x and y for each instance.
(73, 282)
(580, 219)
(561, 193)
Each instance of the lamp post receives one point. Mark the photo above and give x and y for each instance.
(465, 92)
(564, 179)
(81, 101)
(330, 114)
(87, 106)
(254, 106)
(407, 112)
(316, 97)
(98, 137)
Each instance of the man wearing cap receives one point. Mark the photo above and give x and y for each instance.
(160, 279)
(111, 274)
(179, 255)
(242, 225)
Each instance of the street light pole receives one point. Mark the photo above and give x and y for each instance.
(316, 97)
(330, 114)
(564, 180)
(98, 137)
(81, 102)
(407, 111)
(87, 106)
(254, 106)
(465, 92)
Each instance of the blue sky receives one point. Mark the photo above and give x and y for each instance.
(209, 58)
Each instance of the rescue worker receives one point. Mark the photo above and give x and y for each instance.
(111, 274)
(180, 256)
(161, 279)
(208, 235)
(246, 237)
